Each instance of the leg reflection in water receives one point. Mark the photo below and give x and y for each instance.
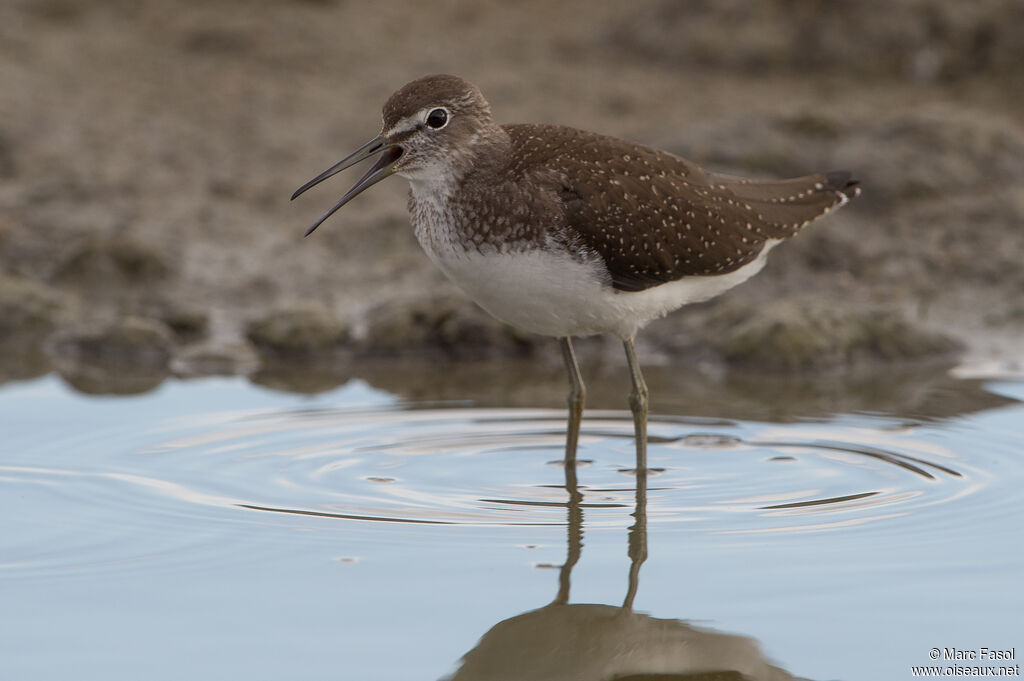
(566, 641)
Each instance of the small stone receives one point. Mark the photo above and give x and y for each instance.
(28, 310)
(446, 326)
(129, 342)
(116, 261)
(305, 332)
(188, 322)
(795, 336)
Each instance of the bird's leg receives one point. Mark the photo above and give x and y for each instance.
(575, 534)
(637, 539)
(638, 404)
(638, 532)
(577, 396)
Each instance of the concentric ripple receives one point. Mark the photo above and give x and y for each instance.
(459, 466)
(502, 467)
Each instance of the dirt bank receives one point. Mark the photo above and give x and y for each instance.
(148, 150)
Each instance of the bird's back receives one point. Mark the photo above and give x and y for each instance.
(654, 217)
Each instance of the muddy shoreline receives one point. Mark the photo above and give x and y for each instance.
(148, 150)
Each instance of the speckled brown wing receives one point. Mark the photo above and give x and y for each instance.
(654, 217)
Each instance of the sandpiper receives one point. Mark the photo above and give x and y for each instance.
(564, 232)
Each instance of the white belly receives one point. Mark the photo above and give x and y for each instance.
(551, 294)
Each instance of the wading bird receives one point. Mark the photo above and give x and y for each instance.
(564, 232)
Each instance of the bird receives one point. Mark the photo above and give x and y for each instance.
(566, 233)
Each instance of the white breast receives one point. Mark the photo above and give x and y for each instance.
(552, 294)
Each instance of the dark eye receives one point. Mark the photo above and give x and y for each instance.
(437, 119)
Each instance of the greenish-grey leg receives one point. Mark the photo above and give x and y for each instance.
(575, 534)
(577, 397)
(576, 400)
(637, 539)
(638, 532)
(638, 405)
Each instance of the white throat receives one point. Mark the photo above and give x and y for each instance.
(438, 181)
(433, 184)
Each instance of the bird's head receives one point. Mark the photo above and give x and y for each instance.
(431, 128)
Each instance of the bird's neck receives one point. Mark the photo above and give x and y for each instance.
(481, 155)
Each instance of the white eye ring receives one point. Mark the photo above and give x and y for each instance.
(438, 118)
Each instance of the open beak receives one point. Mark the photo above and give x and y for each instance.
(385, 166)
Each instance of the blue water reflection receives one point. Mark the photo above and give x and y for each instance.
(214, 529)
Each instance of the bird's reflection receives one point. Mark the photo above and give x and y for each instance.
(592, 642)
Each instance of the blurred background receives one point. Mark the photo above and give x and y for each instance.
(148, 150)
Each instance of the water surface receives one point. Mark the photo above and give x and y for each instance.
(218, 529)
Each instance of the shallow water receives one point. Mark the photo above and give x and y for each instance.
(218, 529)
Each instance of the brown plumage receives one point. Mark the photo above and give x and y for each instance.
(651, 216)
(654, 217)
